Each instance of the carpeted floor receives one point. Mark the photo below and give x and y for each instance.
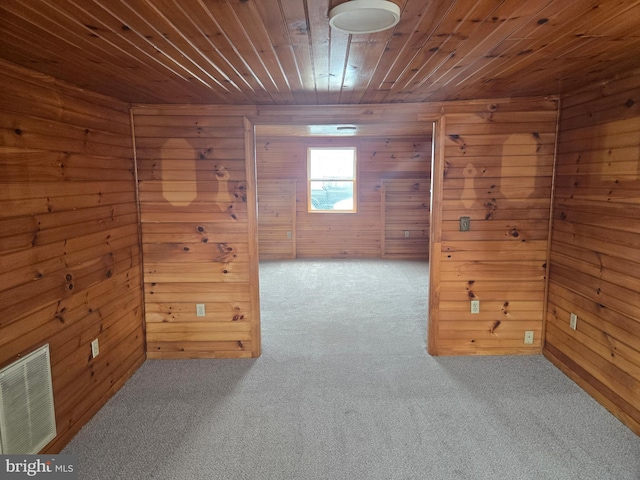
(345, 390)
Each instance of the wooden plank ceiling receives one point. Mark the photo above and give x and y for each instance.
(282, 52)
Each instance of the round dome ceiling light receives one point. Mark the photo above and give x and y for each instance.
(364, 16)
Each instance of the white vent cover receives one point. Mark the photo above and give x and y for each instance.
(27, 416)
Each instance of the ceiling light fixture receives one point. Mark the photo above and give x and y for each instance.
(364, 16)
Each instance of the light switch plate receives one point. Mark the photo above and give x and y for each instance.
(465, 224)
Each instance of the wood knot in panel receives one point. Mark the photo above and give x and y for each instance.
(226, 253)
(491, 208)
(505, 308)
(240, 192)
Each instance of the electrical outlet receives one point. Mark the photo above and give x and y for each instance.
(475, 306)
(406, 234)
(288, 234)
(528, 337)
(200, 310)
(95, 348)
(573, 321)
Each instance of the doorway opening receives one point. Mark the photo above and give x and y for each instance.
(393, 170)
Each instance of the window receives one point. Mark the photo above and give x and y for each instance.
(332, 179)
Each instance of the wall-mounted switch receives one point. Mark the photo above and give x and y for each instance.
(288, 234)
(200, 310)
(573, 321)
(475, 306)
(465, 224)
(406, 234)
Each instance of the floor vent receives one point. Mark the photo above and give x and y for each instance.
(27, 416)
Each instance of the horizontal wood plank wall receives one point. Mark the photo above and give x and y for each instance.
(595, 250)
(405, 218)
(69, 250)
(348, 235)
(498, 166)
(277, 219)
(504, 255)
(195, 232)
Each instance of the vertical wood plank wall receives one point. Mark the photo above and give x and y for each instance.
(498, 166)
(69, 253)
(595, 250)
(195, 232)
(349, 235)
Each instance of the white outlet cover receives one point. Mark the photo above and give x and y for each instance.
(200, 311)
(528, 337)
(573, 321)
(475, 306)
(95, 348)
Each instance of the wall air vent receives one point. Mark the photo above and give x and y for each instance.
(27, 415)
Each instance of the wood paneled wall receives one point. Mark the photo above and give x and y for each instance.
(496, 168)
(595, 250)
(405, 217)
(69, 249)
(277, 219)
(197, 200)
(347, 235)
(70, 260)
